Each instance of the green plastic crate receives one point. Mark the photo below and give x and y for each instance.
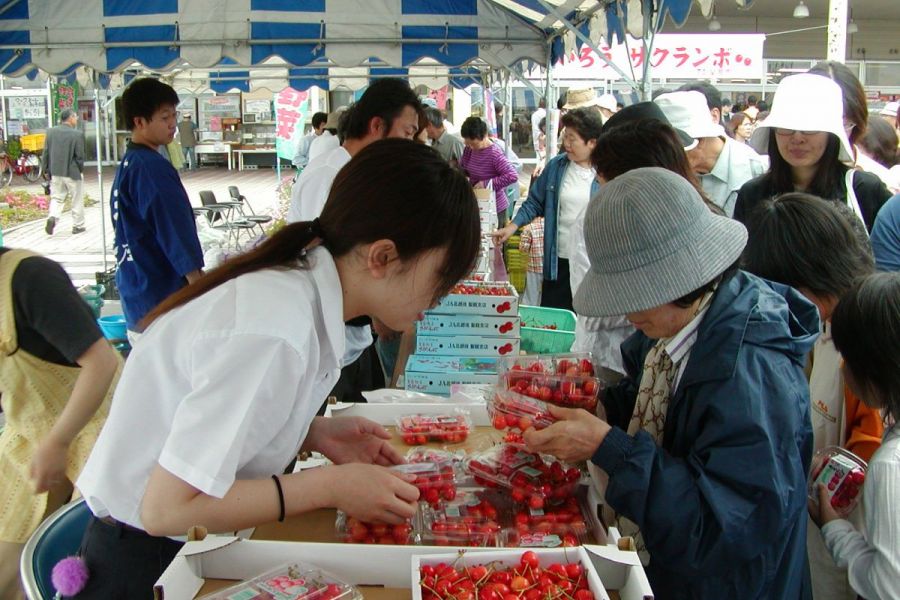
(536, 339)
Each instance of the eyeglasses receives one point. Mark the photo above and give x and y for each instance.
(789, 132)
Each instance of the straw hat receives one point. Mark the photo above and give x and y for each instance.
(334, 117)
(651, 240)
(582, 98)
(805, 102)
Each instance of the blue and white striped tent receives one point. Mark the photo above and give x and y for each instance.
(308, 37)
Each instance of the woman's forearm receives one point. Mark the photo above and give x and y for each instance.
(171, 506)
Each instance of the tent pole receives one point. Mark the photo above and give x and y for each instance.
(99, 128)
(551, 126)
(587, 41)
(507, 110)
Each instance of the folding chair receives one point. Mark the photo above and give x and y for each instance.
(257, 220)
(225, 216)
(57, 537)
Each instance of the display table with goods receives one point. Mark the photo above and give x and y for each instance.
(215, 149)
(492, 517)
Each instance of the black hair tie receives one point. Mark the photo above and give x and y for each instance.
(315, 228)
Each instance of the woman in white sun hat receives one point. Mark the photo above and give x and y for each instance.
(707, 440)
(809, 151)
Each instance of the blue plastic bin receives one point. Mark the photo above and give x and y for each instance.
(113, 327)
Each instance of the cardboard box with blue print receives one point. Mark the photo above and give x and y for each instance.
(441, 383)
(469, 325)
(484, 365)
(438, 374)
(466, 345)
(479, 298)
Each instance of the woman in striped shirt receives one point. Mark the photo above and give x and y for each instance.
(483, 162)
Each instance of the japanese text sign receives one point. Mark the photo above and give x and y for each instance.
(673, 56)
(290, 111)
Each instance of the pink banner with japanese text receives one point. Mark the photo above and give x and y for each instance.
(291, 107)
(673, 56)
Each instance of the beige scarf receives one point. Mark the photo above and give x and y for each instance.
(650, 408)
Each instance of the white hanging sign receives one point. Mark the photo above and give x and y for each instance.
(673, 56)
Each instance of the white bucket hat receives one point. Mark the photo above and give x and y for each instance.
(689, 112)
(805, 102)
(651, 240)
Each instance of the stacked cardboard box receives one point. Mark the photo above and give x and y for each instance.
(460, 340)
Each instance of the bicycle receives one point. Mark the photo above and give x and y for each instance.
(28, 165)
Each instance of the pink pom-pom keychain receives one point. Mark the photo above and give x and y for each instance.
(69, 576)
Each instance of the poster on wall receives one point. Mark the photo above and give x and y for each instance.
(262, 108)
(291, 107)
(27, 107)
(226, 106)
(63, 95)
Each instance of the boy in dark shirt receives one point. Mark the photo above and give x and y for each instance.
(157, 249)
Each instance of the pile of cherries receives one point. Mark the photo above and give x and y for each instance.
(416, 430)
(843, 479)
(513, 411)
(566, 522)
(527, 580)
(480, 290)
(472, 524)
(359, 532)
(531, 479)
(567, 386)
(436, 481)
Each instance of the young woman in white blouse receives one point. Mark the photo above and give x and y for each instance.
(222, 391)
(866, 331)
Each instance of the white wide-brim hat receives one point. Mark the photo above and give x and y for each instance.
(805, 102)
(651, 240)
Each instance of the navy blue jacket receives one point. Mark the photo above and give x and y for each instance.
(722, 504)
(543, 201)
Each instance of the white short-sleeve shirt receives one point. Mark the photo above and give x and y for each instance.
(222, 388)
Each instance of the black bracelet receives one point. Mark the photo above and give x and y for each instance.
(280, 498)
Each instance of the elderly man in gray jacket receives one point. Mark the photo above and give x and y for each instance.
(63, 159)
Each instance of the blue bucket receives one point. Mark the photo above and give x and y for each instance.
(113, 327)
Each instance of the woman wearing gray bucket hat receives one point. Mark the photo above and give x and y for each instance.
(707, 440)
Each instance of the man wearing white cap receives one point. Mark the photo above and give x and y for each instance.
(707, 440)
(722, 164)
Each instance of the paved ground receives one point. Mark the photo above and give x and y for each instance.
(82, 254)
